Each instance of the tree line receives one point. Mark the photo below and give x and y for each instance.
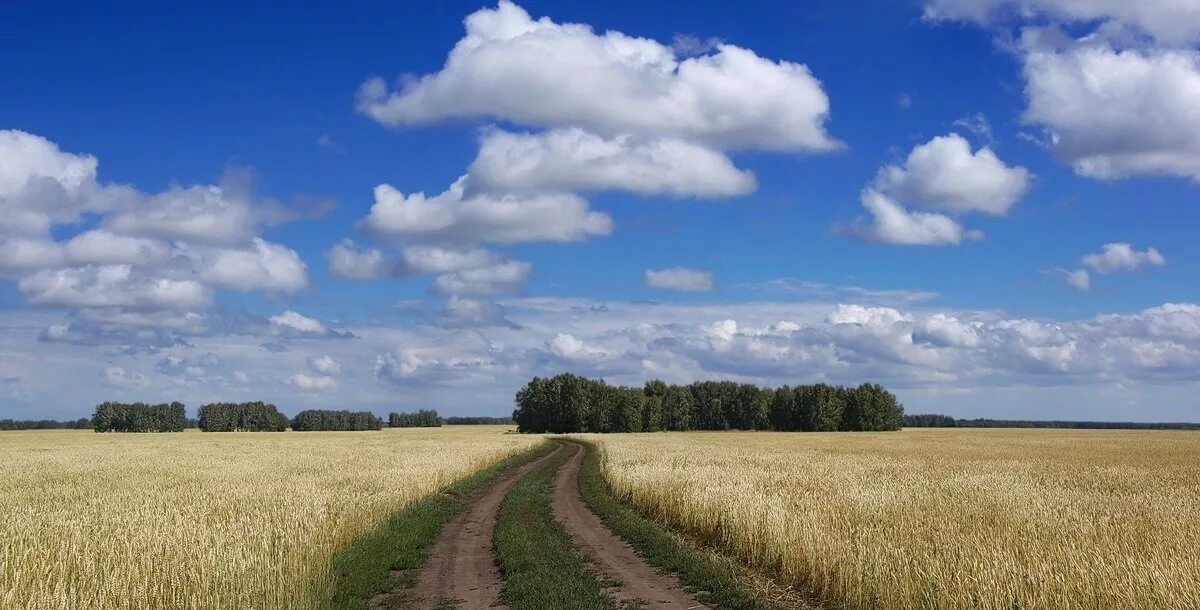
(139, 417)
(83, 423)
(945, 421)
(570, 403)
(477, 421)
(242, 417)
(425, 418)
(313, 420)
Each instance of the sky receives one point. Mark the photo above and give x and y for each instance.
(988, 206)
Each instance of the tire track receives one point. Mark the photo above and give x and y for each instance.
(461, 566)
(633, 580)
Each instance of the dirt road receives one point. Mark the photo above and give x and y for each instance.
(461, 565)
(614, 560)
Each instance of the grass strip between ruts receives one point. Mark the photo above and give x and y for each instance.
(541, 567)
(717, 581)
(364, 568)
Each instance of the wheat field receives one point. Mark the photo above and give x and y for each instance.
(943, 519)
(209, 520)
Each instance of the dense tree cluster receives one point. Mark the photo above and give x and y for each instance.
(425, 418)
(945, 421)
(82, 423)
(478, 421)
(312, 420)
(139, 417)
(242, 417)
(569, 403)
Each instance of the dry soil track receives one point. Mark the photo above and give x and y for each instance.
(461, 565)
(613, 559)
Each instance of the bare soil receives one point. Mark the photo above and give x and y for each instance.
(461, 568)
(630, 580)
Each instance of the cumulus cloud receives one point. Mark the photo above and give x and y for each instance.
(451, 217)
(261, 266)
(141, 259)
(892, 224)
(538, 72)
(567, 160)
(293, 321)
(313, 383)
(1116, 113)
(1170, 21)
(1122, 257)
(1079, 279)
(679, 278)
(1117, 97)
(347, 260)
(1113, 257)
(111, 286)
(944, 174)
(502, 276)
(325, 365)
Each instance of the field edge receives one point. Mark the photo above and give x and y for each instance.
(365, 567)
(716, 579)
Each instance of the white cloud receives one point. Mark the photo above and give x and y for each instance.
(117, 377)
(449, 217)
(313, 383)
(111, 286)
(571, 349)
(324, 365)
(892, 224)
(944, 174)
(432, 259)
(40, 185)
(1170, 21)
(303, 324)
(143, 265)
(1122, 257)
(1079, 279)
(568, 160)
(679, 278)
(1115, 114)
(542, 73)
(100, 246)
(499, 277)
(262, 266)
(199, 214)
(346, 260)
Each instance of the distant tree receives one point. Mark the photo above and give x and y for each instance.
(139, 417)
(242, 417)
(311, 420)
(425, 418)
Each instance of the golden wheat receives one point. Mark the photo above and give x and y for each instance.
(209, 520)
(937, 518)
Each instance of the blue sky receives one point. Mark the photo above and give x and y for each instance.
(986, 205)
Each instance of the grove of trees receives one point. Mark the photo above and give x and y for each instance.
(570, 403)
(139, 417)
(425, 418)
(242, 417)
(312, 420)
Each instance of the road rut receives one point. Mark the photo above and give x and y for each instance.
(613, 559)
(461, 565)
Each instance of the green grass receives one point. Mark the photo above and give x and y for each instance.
(541, 568)
(364, 568)
(717, 581)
